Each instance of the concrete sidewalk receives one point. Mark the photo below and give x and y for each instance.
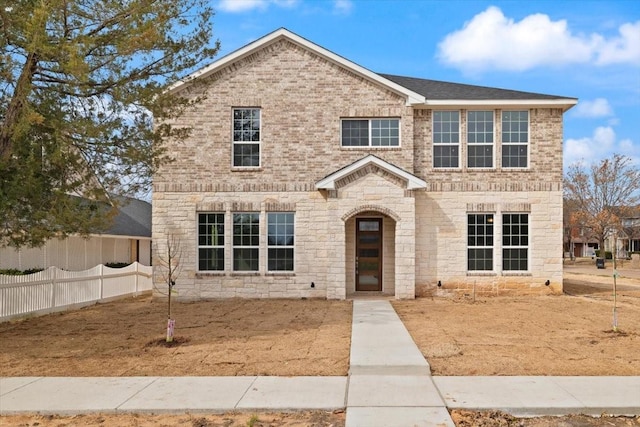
(389, 380)
(61, 395)
(389, 384)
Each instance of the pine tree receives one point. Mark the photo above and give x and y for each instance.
(81, 82)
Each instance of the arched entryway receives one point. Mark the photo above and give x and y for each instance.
(370, 251)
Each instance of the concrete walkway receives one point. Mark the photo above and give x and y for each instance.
(389, 379)
(388, 385)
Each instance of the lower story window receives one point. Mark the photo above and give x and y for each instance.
(210, 241)
(280, 241)
(480, 242)
(515, 242)
(246, 241)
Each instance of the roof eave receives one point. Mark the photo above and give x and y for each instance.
(564, 103)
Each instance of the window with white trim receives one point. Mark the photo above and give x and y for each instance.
(246, 137)
(210, 241)
(480, 242)
(515, 242)
(480, 139)
(515, 139)
(280, 241)
(246, 241)
(446, 139)
(370, 132)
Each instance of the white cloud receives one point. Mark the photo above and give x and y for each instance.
(342, 7)
(623, 49)
(247, 5)
(602, 144)
(599, 107)
(242, 5)
(493, 41)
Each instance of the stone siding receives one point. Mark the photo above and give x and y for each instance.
(441, 242)
(302, 98)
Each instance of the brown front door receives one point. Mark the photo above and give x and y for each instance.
(368, 254)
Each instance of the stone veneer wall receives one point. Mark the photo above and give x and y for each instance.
(321, 254)
(441, 242)
(302, 99)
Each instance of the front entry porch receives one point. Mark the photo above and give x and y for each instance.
(370, 207)
(370, 254)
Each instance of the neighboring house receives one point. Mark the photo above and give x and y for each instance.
(128, 239)
(626, 236)
(631, 227)
(582, 244)
(307, 175)
(629, 236)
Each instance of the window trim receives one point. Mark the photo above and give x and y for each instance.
(370, 146)
(234, 142)
(528, 143)
(292, 247)
(480, 144)
(450, 144)
(199, 246)
(492, 247)
(527, 247)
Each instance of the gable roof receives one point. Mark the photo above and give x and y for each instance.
(328, 182)
(416, 91)
(283, 33)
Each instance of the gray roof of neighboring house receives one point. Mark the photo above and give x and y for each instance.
(434, 89)
(133, 218)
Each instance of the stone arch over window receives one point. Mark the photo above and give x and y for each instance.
(371, 208)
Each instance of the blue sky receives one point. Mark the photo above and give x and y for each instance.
(582, 49)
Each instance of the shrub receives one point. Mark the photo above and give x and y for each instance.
(607, 254)
(117, 264)
(16, 272)
(11, 272)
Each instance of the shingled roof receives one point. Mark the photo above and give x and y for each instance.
(133, 218)
(416, 91)
(438, 90)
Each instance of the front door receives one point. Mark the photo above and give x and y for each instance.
(368, 254)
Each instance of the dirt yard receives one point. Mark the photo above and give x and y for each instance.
(305, 419)
(549, 335)
(296, 419)
(546, 335)
(223, 337)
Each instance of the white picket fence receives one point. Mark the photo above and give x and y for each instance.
(54, 290)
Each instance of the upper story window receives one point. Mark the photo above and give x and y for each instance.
(515, 139)
(446, 139)
(370, 132)
(246, 137)
(480, 139)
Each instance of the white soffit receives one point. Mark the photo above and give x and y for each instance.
(282, 33)
(564, 103)
(328, 183)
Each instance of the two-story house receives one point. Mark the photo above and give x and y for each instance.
(307, 175)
